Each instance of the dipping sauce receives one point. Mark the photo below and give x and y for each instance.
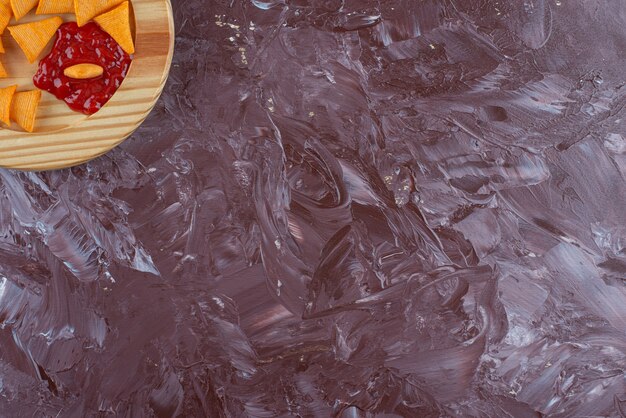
(83, 45)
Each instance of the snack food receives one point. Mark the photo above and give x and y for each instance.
(88, 9)
(116, 24)
(24, 108)
(22, 7)
(33, 37)
(6, 97)
(83, 71)
(83, 45)
(87, 64)
(5, 14)
(52, 7)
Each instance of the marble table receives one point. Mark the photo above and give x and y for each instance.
(346, 208)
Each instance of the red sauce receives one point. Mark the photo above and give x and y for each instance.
(83, 45)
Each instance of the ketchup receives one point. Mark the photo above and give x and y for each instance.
(83, 45)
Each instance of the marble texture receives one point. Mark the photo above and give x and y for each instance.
(347, 208)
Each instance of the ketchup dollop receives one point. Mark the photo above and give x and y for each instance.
(83, 45)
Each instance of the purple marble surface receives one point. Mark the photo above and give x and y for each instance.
(347, 208)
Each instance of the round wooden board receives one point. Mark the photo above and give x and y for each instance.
(64, 138)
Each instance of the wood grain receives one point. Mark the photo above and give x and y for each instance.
(64, 138)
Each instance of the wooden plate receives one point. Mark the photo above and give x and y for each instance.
(64, 138)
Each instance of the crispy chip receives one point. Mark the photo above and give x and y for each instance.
(5, 14)
(22, 7)
(51, 7)
(3, 71)
(2, 51)
(117, 24)
(33, 37)
(83, 71)
(6, 96)
(24, 108)
(87, 10)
